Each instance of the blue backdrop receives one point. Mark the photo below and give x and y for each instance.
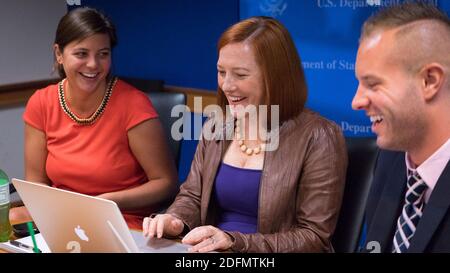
(326, 34)
(172, 40)
(175, 40)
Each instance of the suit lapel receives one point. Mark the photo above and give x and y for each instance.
(386, 214)
(434, 212)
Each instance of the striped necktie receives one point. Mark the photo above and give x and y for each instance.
(411, 212)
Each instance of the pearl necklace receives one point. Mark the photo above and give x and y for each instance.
(246, 150)
(90, 120)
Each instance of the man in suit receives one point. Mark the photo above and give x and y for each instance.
(403, 69)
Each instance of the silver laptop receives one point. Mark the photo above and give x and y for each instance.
(74, 222)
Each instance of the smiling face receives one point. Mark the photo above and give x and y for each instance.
(389, 92)
(239, 77)
(86, 62)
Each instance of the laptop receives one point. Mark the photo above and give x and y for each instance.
(74, 222)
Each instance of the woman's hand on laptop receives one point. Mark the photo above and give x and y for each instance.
(162, 224)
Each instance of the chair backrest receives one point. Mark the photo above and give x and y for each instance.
(163, 103)
(362, 153)
(145, 84)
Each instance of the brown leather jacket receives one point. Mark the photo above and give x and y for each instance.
(300, 194)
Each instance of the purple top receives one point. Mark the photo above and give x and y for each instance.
(236, 191)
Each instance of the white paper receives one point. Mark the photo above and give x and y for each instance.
(41, 244)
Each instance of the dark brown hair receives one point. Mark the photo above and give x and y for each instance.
(402, 14)
(275, 53)
(79, 24)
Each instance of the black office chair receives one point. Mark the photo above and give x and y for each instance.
(163, 103)
(145, 84)
(362, 153)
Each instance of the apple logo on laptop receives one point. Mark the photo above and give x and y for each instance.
(81, 233)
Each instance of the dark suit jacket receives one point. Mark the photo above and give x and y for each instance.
(385, 202)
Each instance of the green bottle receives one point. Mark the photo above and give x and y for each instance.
(5, 226)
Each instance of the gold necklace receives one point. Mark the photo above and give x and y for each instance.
(246, 150)
(90, 120)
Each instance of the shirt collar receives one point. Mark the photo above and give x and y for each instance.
(431, 169)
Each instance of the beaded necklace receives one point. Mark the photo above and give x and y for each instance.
(244, 148)
(90, 120)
